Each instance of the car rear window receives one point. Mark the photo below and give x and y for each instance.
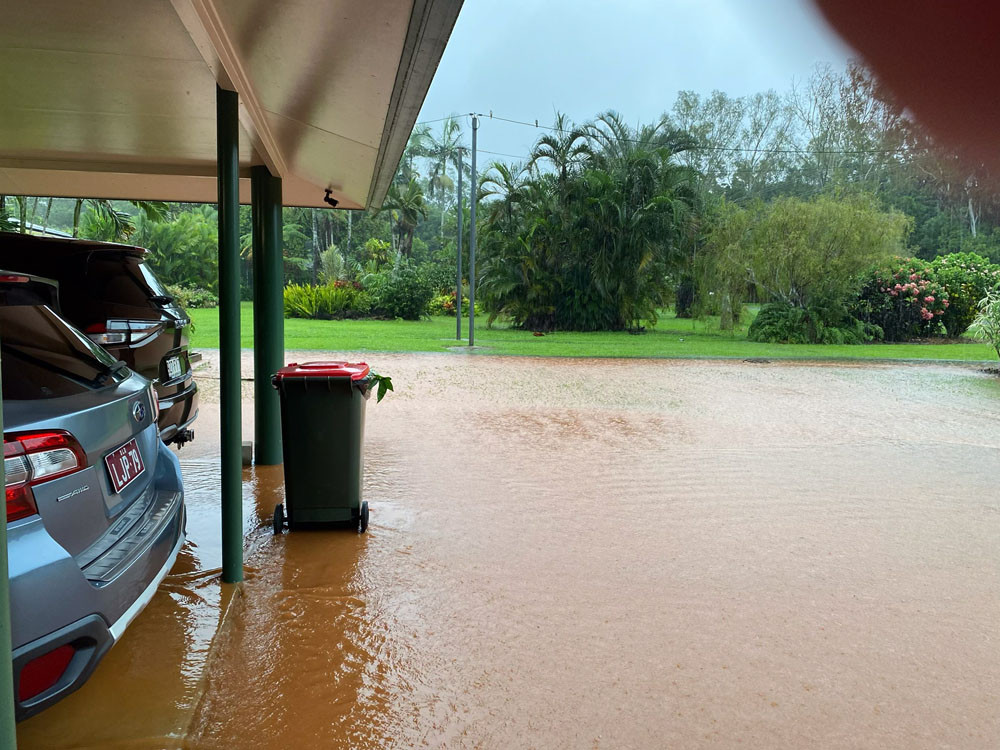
(123, 280)
(43, 357)
(154, 283)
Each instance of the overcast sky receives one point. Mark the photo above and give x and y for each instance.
(524, 59)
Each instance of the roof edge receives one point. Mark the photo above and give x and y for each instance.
(430, 27)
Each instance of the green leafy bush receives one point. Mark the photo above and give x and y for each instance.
(440, 276)
(332, 265)
(301, 301)
(803, 253)
(444, 304)
(400, 292)
(987, 322)
(966, 278)
(331, 301)
(781, 323)
(192, 297)
(184, 251)
(684, 297)
(902, 299)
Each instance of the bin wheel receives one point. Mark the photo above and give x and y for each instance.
(363, 518)
(279, 518)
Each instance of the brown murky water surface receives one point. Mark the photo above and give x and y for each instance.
(616, 554)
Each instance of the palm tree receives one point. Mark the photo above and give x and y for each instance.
(407, 208)
(416, 147)
(506, 182)
(614, 141)
(121, 223)
(444, 153)
(589, 244)
(641, 207)
(565, 148)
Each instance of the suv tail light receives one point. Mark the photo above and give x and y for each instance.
(32, 458)
(122, 331)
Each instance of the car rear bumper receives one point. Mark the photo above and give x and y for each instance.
(87, 600)
(91, 637)
(178, 412)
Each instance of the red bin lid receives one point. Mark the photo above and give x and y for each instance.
(352, 370)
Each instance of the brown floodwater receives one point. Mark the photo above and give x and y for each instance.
(604, 554)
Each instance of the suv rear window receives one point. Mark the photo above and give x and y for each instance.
(122, 280)
(43, 357)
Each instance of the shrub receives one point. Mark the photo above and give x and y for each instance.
(780, 323)
(440, 277)
(684, 297)
(444, 304)
(966, 278)
(987, 322)
(338, 300)
(332, 265)
(399, 293)
(192, 297)
(301, 301)
(797, 252)
(902, 299)
(184, 251)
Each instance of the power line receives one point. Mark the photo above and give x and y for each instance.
(723, 149)
(497, 153)
(440, 119)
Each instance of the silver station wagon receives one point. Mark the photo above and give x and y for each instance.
(95, 507)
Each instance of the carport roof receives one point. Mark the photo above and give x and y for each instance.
(116, 98)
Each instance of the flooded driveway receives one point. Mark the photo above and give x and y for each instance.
(617, 554)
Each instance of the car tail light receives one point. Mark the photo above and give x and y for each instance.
(122, 331)
(44, 671)
(31, 458)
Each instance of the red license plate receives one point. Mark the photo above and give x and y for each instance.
(124, 465)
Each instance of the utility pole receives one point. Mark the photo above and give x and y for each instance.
(472, 239)
(458, 274)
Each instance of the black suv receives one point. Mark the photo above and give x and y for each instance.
(111, 294)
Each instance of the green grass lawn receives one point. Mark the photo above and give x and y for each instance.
(671, 337)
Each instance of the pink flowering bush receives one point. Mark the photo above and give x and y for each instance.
(967, 278)
(903, 299)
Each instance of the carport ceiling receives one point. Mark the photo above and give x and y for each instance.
(116, 98)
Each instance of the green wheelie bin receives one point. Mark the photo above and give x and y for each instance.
(322, 429)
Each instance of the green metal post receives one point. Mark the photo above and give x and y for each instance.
(268, 313)
(8, 732)
(227, 135)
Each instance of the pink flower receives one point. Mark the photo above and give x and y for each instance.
(913, 277)
(928, 299)
(894, 293)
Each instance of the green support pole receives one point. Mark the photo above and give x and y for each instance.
(8, 732)
(227, 135)
(268, 313)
